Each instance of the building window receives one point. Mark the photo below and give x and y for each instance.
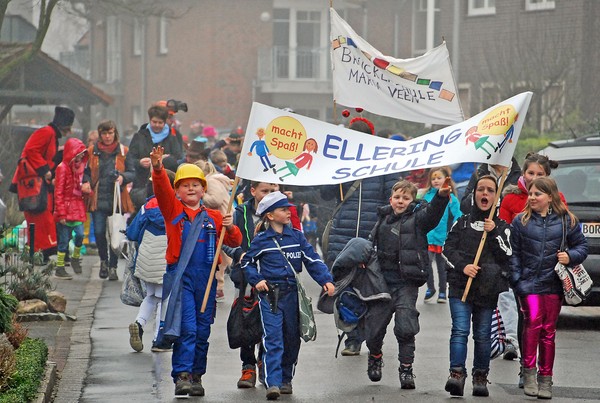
(425, 37)
(482, 7)
(113, 49)
(138, 36)
(535, 5)
(490, 96)
(163, 24)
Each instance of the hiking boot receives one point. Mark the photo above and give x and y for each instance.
(286, 389)
(350, 350)
(273, 393)
(248, 378)
(407, 378)
(374, 365)
(510, 353)
(61, 273)
(441, 298)
(521, 378)
(456, 382)
(480, 382)
(103, 269)
(183, 384)
(197, 388)
(161, 347)
(544, 387)
(135, 337)
(429, 294)
(220, 296)
(76, 265)
(112, 274)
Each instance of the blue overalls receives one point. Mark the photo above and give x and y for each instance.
(191, 348)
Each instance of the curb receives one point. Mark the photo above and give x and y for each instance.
(46, 388)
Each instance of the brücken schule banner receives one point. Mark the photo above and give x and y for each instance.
(283, 147)
(418, 90)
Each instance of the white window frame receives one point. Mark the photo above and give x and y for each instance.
(163, 25)
(113, 50)
(138, 33)
(487, 9)
(532, 5)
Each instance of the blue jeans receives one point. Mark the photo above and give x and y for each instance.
(104, 249)
(64, 236)
(463, 314)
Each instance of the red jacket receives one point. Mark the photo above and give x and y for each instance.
(68, 199)
(514, 201)
(171, 207)
(40, 150)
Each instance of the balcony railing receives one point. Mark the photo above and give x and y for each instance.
(299, 64)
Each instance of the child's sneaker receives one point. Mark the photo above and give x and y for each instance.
(61, 273)
(112, 274)
(273, 393)
(429, 294)
(374, 365)
(135, 337)
(407, 378)
(248, 378)
(441, 298)
(197, 388)
(103, 269)
(76, 265)
(286, 389)
(183, 384)
(161, 347)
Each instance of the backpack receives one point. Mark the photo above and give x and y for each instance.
(348, 310)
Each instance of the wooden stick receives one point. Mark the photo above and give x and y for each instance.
(484, 236)
(219, 246)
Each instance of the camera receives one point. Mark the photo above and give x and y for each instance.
(176, 106)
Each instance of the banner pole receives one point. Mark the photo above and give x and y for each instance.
(219, 245)
(484, 236)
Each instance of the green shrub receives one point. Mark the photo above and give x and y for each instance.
(8, 306)
(7, 361)
(31, 362)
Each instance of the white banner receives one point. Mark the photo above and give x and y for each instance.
(421, 89)
(283, 147)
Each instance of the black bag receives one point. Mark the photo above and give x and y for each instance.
(244, 325)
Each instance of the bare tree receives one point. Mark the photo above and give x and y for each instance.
(541, 62)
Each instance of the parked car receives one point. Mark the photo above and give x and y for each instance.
(578, 178)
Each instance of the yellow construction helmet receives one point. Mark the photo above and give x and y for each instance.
(186, 171)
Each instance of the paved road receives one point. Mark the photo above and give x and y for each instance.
(117, 374)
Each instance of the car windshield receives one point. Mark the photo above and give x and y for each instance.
(578, 181)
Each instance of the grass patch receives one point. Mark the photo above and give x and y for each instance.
(31, 363)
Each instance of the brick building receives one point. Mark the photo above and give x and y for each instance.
(219, 56)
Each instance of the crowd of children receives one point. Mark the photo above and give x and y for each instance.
(180, 213)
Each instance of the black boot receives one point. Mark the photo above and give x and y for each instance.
(456, 381)
(480, 382)
(374, 366)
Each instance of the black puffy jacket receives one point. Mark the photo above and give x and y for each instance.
(401, 240)
(460, 250)
(535, 246)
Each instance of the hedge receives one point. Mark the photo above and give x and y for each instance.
(31, 363)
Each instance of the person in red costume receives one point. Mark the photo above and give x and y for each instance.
(40, 150)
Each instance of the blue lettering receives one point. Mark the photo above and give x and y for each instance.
(380, 153)
(329, 139)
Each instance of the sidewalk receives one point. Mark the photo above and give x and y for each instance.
(69, 342)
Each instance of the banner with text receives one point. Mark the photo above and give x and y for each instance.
(283, 147)
(421, 89)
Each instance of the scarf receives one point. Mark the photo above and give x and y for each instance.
(160, 136)
(108, 149)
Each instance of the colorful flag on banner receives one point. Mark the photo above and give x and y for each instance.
(418, 90)
(283, 147)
